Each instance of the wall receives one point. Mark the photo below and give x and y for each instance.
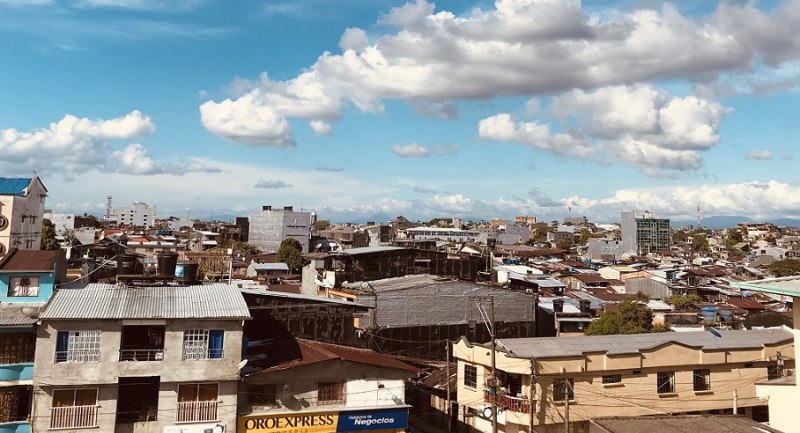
(782, 406)
(46, 282)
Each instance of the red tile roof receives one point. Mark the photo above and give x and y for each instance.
(29, 260)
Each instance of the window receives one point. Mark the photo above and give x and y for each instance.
(563, 389)
(665, 382)
(470, 376)
(78, 346)
(14, 403)
(612, 378)
(702, 380)
(330, 393)
(23, 286)
(73, 408)
(197, 401)
(203, 343)
(17, 347)
(774, 372)
(263, 395)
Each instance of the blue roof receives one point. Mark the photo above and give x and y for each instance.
(14, 186)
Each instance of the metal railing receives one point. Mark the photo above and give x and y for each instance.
(197, 411)
(141, 354)
(73, 416)
(506, 402)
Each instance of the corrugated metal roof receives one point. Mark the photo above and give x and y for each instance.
(107, 301)
(271, 266)
(370, 250)
(14, 186)
(260, 291)
(555, 347)
(789, 286)
(680, 424)
(11, 315)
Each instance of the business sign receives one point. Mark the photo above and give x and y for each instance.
(290, 423)
(363, 420)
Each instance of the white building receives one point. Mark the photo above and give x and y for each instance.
(270, 227)
(63, 222)
(139, 215)
(441, 234)
(21, 212)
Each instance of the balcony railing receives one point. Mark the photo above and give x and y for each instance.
(506, 402)
(197, 411)
(73, 417)
(141, 354)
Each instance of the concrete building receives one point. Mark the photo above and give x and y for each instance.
(139, 359)
(782, 389)
(21, 213)
(139, 215)
(269, 227)
(323, 388)
(616, 375)
(643, 234)
(604, 249)
(27, 280)
(63, 222)
(441, 234)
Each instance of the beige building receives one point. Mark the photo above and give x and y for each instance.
(21, 212)
(543, 382)
(782, 392)
(139, 359)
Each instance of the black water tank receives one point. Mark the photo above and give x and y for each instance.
(166, 264)
(558, 305)
(586, 306)
(190, 270)
(126, 264)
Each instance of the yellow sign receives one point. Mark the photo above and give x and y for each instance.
(290, 423)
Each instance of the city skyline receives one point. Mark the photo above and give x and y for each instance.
(423, 109)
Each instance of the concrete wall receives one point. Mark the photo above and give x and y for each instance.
(782, 406)
(27, 234)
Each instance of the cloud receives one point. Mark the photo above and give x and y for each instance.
(335, 169)
(320, 128)
(521, 48)
(542, 199)
(759, 155)
(639, 125)
(272, 184)
(412, 150)
(75, 145)
(424, 190)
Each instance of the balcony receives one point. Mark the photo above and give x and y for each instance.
(73, 417)
(189, 411)
(141, 354)
(506, 402)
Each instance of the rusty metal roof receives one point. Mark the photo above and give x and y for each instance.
(12, 315)
(29, 260)
(107, 301)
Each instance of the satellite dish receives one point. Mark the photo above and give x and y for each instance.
(241, 365)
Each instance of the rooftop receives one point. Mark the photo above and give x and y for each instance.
(680, 424)
(787, 286)
(14, 186)
(29, 260)
(107, 301)
(13, 315)
(555, 347)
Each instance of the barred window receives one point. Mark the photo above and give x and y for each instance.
(263, 395)
(612, 378)
(470, 376)
(203, 343)
(774, 372)
(14, 403)
(702, 380)
(78, 346)
(665, 382)
(17, 347)
(563, 389)
(330, 393)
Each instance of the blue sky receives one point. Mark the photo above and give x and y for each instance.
(367, 110)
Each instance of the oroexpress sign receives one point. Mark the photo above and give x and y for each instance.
(328, 422)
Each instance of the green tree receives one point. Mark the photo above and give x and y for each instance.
(680, 236)
(684, 302)
(321, 225)
(48, 235)
(700, 243)
(291, 253)
(631, 317)
(246, 249)
(564, 244)
(541, 234)
(785, 268)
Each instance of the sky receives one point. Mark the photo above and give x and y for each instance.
(365, 110)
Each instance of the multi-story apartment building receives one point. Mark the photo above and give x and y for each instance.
(441, 234)
(62, 222)
(643, 234)
(547, 381)
(27, 280)
(139, 359)
(268, 228)
(308, 386)
(139, 215)
(21, 212)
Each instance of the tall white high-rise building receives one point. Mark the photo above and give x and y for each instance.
(139, 215)
(643, 234)
(269, 227)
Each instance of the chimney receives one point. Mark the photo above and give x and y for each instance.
(558, 305)
(586, 306)
(266, 207)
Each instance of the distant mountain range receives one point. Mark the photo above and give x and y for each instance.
(721, 222)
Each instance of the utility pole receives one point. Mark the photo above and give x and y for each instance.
(494, 367)
(447, 372)
(567, 389)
